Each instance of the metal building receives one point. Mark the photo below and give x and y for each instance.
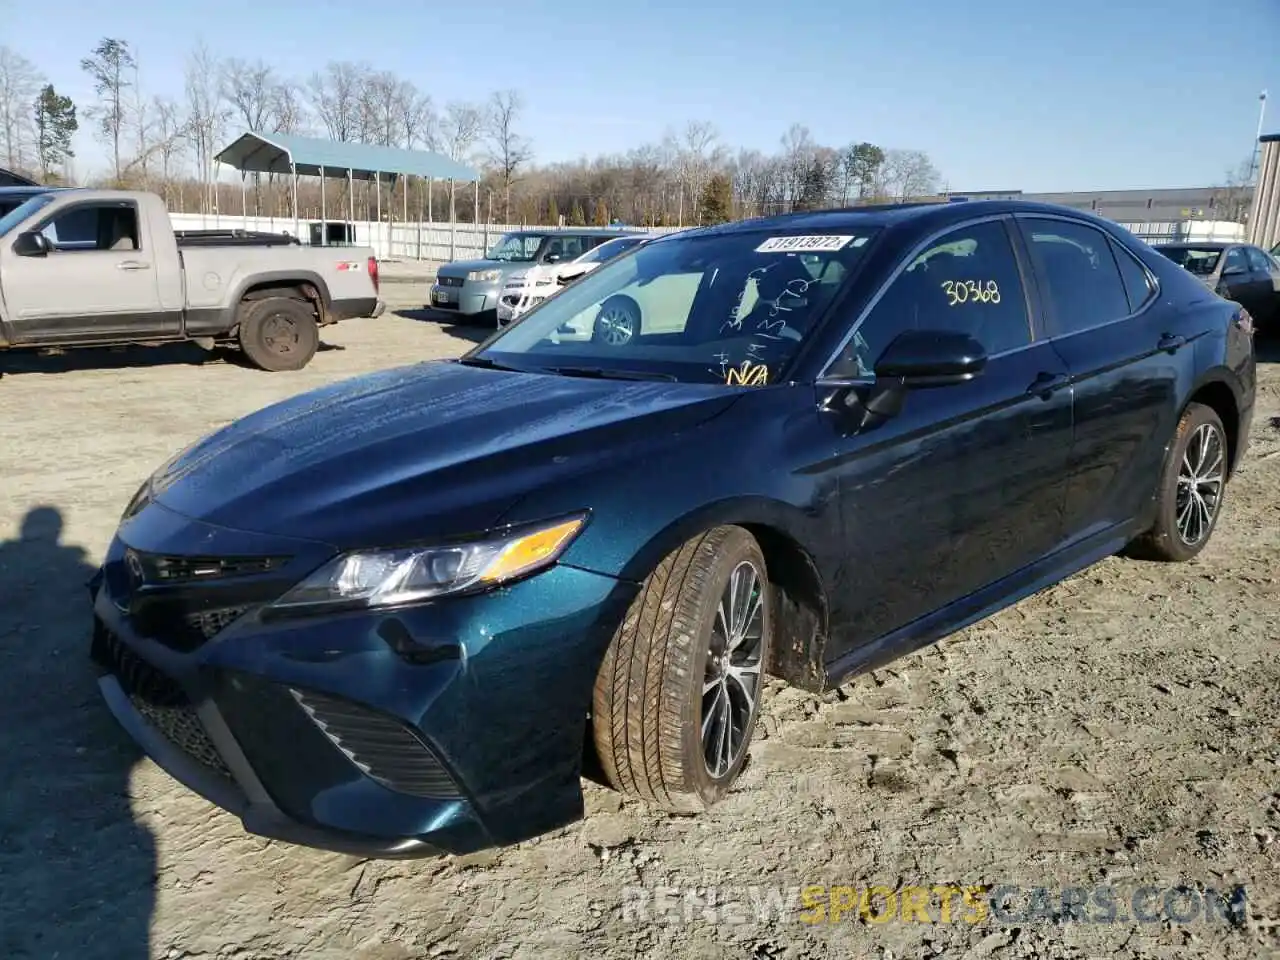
(1264, 218)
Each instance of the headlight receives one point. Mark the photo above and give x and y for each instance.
(381, 578)
(484, 276)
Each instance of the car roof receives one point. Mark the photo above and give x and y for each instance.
(926, 214)
(26, 191)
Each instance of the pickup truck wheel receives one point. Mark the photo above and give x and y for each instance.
(678, 691)
(279, 333)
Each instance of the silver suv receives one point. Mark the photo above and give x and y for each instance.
(471, 288)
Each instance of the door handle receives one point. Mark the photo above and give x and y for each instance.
(1171, 342)
(1045, 384)
(132, 265)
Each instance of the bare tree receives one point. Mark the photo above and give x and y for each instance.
(336, 96)
(909, 173)
(171, 131)
(1234, 198)
(461, 128)
(382, 99)
(696, 153)
(19, 86)
(418, 121)
(110, 66)
(250, 90)
(289, 114)
(508, 150)
(206, 117)
(141, 122)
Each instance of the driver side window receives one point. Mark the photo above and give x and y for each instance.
(967, 281)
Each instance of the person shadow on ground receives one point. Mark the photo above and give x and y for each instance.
(77, 872)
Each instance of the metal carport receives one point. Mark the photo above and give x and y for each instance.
(295, 156)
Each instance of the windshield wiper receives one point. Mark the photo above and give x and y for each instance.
(488, 364)
(599, 373)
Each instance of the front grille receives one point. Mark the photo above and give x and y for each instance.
(184, 632)
(162, 569)
(381, 747)
(159, 699)
(449, 281)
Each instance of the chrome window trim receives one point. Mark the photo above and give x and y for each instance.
(1152, 279)
(907, 260)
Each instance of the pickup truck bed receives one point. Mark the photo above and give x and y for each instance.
(98, 267)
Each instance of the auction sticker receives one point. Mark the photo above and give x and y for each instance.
(819, 242)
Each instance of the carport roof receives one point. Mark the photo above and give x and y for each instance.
(274, 152)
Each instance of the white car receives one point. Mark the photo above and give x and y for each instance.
(530, 287)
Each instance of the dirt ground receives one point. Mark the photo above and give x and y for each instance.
(1118, 729)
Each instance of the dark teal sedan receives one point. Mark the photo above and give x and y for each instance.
(405, 614)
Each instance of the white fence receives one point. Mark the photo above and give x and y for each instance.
(441, 242)
(1194, 231)
(390, 241)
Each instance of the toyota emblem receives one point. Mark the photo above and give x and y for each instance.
(134, 564)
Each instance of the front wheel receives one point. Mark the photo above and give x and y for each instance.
(1189, 499)
(678, 693)
(618, 322)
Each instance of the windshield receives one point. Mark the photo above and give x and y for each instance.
(729, 307)
(516, 248)
(1199, 260)
(13, 216)
(609, 249)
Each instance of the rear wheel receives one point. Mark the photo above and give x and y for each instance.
(279, 333)
(1192, 484)
(678, 692)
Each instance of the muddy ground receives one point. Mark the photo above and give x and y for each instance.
(1118, 729)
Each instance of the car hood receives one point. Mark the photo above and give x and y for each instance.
(434, 450)
(460, 268)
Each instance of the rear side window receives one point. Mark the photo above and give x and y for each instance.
(1082, 285)
(1236, 261)
(1137, 283)
(1258, 260)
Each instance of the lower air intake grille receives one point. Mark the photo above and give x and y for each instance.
(381, 747)
(159, 699)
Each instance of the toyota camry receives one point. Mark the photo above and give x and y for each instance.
(407, 613)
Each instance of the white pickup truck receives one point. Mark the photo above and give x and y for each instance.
(85, 267)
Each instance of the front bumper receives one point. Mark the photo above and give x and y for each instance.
(467, 299)
(441, 728)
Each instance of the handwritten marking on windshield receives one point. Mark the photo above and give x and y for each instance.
(748, 375)
(969, 291)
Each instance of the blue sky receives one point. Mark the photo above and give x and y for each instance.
(1003, 94)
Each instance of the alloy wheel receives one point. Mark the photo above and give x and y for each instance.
(1200, 480)
(731, 682)
(617, 327)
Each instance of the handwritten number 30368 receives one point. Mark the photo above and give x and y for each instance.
(970, 291)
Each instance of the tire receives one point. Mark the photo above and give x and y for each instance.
(618, 321)
(279, 333)
(650, 697)
(1176, 536)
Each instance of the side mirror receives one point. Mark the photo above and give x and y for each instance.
(552, 258)
(567, 278)
(931, 358)
(1234, 270)
(32, 243)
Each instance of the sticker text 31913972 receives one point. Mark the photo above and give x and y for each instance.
(818, 243)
